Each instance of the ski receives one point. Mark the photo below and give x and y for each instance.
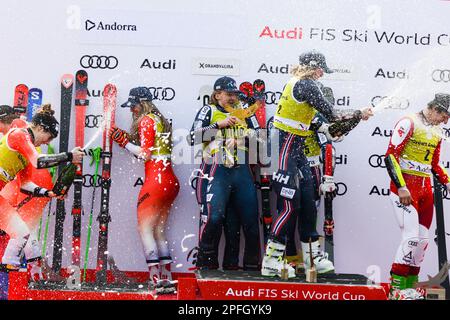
(440, 231)
(328, 224)
(81, 102)
(109, 106)
(21, 99)
(259, 93)
(66, 105)
(259, 90)
(34, 101)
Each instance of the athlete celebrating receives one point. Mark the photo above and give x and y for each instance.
(223, 129)
(412, 157)
(300, 101)
(17, 150)
(315, 152)
(150, 139)
(28, 206)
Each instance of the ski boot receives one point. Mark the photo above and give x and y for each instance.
(153, 268)
(13, 253)
(39, 270)
(273, 262)
(320, 258)
(407, 294)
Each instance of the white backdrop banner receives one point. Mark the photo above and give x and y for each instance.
(383, 57)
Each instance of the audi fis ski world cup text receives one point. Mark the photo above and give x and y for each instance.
(349, 35)
(266, 293)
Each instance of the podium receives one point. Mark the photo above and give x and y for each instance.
(242, 285)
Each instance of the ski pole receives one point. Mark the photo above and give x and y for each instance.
(95, 154)
(50, 150)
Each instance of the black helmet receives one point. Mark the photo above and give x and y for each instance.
(6, 111)
(46, 121)
(442, 101)
(314, 59)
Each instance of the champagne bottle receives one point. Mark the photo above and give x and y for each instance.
(65, 180)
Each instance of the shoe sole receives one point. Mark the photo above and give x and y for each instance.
(326, 271)
(272, 274)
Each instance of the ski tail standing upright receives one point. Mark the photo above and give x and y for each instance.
(66, 106)
(259, 88)
(412, 157)
(104, 218)
(34, 102)
(299, 103)
(21, 99)
(81, 102)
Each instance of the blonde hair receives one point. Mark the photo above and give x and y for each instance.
(146, 108)
(303, 72)
(212, 98)
(46, 108)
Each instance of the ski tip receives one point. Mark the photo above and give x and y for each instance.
(21, 85)
(67, 80)
(110, 88)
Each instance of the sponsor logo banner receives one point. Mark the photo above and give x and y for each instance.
(215, 66)
(147, 28)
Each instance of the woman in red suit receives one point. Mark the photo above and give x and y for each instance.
(150, 139)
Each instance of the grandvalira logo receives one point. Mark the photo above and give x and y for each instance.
(103, 26)
(99, 62)
(203, 65)
(215, 66)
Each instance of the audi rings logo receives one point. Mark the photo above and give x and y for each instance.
(341, 188)
(272, 97)
(88, 181)
(439, 75)
(161, 93)
(99, 62)
(377, 161)
(445, 194)
(92, 121)
(390, 102)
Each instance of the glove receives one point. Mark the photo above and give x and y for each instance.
(120, 136)
(324, 128)
(328, 187)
